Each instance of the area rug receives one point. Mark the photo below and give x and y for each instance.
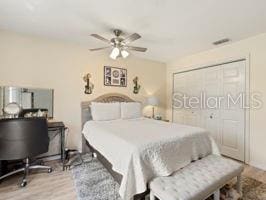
(93, 182)
(252, 190)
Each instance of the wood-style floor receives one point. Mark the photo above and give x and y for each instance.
(59, 185)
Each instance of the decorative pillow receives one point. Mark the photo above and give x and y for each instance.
(131, 110)
(105, 111)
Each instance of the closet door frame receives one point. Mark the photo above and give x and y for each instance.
(245, 58)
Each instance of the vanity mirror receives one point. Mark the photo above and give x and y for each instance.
(27, 98)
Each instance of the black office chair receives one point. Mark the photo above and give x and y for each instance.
(23, 138)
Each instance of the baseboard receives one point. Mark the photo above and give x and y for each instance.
(257, 165)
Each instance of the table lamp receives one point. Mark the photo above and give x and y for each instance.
(152, 101)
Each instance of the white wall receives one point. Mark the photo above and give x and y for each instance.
(44, 63)
(255, 48)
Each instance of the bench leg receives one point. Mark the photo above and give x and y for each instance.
(239, 185)
(152, 197)
(217, 195)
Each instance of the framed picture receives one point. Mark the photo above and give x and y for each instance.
(115, 76)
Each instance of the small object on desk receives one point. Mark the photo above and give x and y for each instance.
(34, 112)
(12, 110)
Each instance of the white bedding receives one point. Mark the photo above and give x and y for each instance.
(142, 149)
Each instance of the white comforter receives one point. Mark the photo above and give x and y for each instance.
(141, 149)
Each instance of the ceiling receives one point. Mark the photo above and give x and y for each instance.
(169, 28)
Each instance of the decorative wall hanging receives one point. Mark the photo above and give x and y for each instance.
(136, 85)
(89, 86)
(114, 76)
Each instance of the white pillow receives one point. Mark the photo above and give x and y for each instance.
(131, 110)
(105, 111)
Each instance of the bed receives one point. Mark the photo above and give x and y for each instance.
(137, 150)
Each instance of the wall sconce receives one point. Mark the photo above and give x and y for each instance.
(136, 85)
(89, 86)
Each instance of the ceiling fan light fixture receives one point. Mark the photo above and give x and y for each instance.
(115, 52)
(119, 45)
(124, 53)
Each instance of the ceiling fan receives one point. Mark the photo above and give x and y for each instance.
(119, 44)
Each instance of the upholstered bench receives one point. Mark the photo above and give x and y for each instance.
(198, 180)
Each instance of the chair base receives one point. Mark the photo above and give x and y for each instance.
(26, 170)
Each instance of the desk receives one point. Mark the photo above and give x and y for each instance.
(59, 127)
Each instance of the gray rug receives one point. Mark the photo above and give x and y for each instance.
(93, 182)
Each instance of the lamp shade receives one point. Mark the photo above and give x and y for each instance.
(124, 53)
(152, 101)
(115, 52)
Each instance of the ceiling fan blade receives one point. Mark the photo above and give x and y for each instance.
(100, 38)
(142, 49)
(131, 38)
(96, 49)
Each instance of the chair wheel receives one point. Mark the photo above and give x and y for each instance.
(23, 184)
(50, 170)
(94, 155)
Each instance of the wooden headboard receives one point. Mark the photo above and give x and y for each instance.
(106, 98)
